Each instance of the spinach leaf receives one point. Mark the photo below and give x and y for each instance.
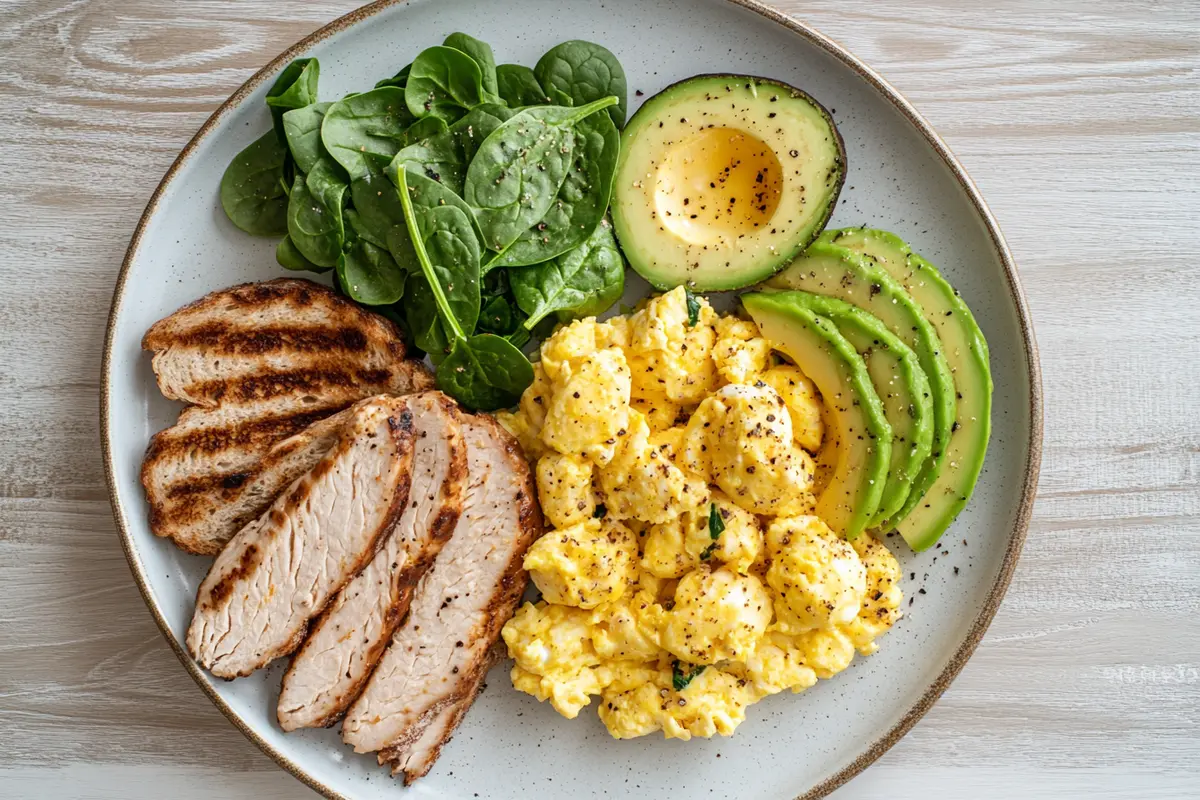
(445, 156)
(515, 176)
(518, 86)
(519, 338)
(302, 129)
(422, 318)
(585, 72)
(369, 275)
(360, 229)
(482, 371)
(693, 307)
(377, 207)
(366, 126)
(485, 372)
(315, 228)
(290, 258)
(444, 83)
(716, 526)
(579, 283)
(296, 87)
(581, 201)
(254, 188)
(328, 184)
(398, 80)
(427, 192)
(481, 52)
(448, 238)
(680, 678)
(499, 317)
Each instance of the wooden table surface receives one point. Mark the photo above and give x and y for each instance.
(1080, 121)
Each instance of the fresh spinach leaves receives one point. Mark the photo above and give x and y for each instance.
(680, 677)
(296, 87)
(290, 258)
(302, 130)
(445, 83)
(422, 318)
(314, 215)
(366, 126)
(483, 371)
(398, 80)
(414, 190)
(369, 275)
(716, 526)
(580, 283)
(481, 53)
(444, 157)
(515, 176)
(584, 72)
(254, 191)
(518, 86)
(693, 307)
(581, 201)
(376, 206)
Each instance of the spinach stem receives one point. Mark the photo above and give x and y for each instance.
(414, 233)
(592, 107)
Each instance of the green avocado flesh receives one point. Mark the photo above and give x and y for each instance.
(937, 498)
(829, 269)
(724, 179)
(902, 387)
(850, 499)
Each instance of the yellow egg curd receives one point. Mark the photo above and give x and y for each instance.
(683, 573)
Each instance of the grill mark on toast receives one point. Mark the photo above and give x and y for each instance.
(220, 338)
(249, 433)
(321, 347)
(292, 292)
(311, 380)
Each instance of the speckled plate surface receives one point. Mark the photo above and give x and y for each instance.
(900, 178)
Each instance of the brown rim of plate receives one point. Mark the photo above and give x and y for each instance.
(1032, 467)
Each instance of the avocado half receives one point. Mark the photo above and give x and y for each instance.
(901, 385)
(937, 498)
(851, 497)
(724, 179)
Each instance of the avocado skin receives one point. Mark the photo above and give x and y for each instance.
(735, 276)
(788, 310)
(830, 269)
(911, 417)
(966, 349)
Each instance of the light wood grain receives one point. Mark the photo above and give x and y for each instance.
(1080, 121)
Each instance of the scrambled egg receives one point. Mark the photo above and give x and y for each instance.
(684, 576)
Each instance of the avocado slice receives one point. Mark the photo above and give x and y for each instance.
(833, 270)
(919, 521)
(851, 497)
(902, 387)
(724, 179)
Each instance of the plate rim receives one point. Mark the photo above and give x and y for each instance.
(1016, 293)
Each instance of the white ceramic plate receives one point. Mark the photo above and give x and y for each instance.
(901, 178)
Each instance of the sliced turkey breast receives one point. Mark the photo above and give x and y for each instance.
(346, 642)
(283, 567)
(260, 362)
(436, 661)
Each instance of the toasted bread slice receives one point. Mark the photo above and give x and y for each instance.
(259, 363)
